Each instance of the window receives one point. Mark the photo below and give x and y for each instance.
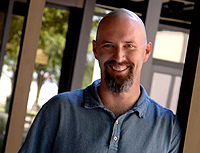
(168, 58)
(48, 61)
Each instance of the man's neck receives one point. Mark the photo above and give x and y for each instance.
(119, 103)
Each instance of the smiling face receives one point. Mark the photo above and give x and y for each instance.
(121, 49)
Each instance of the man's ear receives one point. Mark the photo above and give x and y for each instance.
(94, 43)
(147, 51)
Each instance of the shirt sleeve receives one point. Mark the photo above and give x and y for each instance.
(176, 137)
(41, 135)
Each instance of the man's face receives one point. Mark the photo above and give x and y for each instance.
(121, 50)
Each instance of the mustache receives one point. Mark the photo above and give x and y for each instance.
(113, 62)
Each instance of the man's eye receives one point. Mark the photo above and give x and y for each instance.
(129, 46)
(107, 46)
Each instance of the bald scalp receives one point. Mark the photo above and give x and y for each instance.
(122, 13)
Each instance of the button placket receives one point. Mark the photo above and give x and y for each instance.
(116, 132)
(115, 135)
(114, 142)
(115, 138)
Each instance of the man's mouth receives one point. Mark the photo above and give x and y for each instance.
(119, 67)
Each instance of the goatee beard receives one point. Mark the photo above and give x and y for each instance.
(118, 83)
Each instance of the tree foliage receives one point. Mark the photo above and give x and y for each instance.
(13, 45)
(52, 41)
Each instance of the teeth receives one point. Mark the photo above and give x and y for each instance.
(119, 68)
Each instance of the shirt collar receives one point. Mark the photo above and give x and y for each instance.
(92, 99)
(142, 104)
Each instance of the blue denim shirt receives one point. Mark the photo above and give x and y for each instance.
(78, 122)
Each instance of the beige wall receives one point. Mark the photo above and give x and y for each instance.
(192, 140)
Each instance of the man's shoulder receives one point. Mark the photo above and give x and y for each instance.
(75, 97)
(161, 113)
(72, 98)
(152, 106)
(71, 95)
(159, 108)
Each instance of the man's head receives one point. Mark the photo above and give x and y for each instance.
(121, 48)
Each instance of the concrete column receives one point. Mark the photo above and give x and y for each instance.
(151, 24)
(79, 68)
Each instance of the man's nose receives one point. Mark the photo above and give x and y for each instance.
(119, 54)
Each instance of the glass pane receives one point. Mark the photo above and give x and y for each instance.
(2, 18)
(8, 70)
(97, 71)
(169, 51)
(88, 75)
(175, 94)
(160, 88)
(48, 61)
(170, 46)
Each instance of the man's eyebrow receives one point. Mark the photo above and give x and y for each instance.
(105, 41)
(129, 42)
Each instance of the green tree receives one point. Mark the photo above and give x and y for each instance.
(10, 59)
(52, 41)
(13, 45)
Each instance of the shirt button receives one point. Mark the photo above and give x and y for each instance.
(115, 138)
(117, 122)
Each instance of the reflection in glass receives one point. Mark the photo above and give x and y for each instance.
(48, 61)
(8, 69)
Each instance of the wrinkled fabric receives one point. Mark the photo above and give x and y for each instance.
(78, 122)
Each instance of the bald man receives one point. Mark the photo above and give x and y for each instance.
(114, 114)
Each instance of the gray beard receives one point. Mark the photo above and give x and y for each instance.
(116, 83)
(120, 87)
